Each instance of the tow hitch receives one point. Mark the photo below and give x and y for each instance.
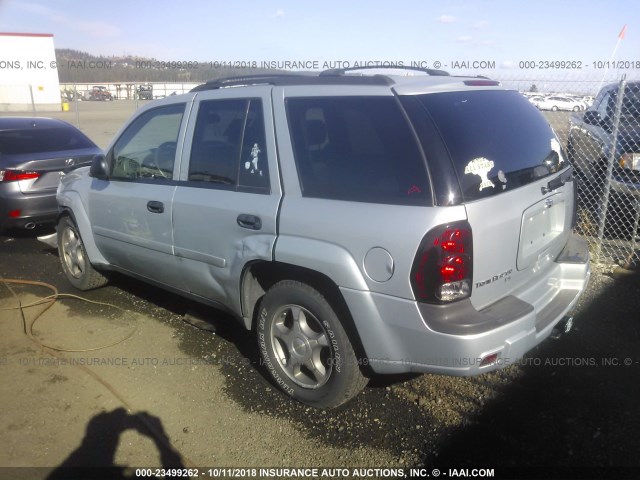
(562, 327)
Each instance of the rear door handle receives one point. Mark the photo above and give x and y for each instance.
(155, 207)
(251, 222)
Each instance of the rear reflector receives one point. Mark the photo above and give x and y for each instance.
(14, 213)
(16, 175)
(489, 360)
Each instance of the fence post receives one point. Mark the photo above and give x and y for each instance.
(634, 233)
(75, 101)
(33, 103)
(610, 162)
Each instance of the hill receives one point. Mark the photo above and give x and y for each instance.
(75, 66)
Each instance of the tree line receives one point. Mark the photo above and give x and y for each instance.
(75, 66)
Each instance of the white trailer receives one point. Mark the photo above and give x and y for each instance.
(28, 73)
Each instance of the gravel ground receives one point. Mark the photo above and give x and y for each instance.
(570, 404)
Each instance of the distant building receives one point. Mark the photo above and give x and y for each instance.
(28, 73)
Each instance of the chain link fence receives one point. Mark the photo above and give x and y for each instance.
(598, 123)
(124, 90)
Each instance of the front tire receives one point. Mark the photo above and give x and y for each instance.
(74, 259)
(305, 347)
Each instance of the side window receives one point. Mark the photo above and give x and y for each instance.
(254, 171)
(229, 147)
(147, 148)
(631, 105)
(358, 149)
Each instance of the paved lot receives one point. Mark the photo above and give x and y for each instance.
(167, 393)
(99, 120)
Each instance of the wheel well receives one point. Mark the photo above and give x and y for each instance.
(66, 212)
(258, 277)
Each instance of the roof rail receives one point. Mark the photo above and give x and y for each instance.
(241, 80)
(342, 71)
(291, 79)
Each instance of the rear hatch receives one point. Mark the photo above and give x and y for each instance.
(512, 178)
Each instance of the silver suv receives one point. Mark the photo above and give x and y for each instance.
(359, 224)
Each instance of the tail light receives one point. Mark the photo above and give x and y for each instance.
(443, 267)
(15, 175)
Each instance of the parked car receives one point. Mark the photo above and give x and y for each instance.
(100, 93)
(145, 92)
(34, 152)
(537, 101)
(587, 101)
(555, 103)
(349, 220)
(592, 146)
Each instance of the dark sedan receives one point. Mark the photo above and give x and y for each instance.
(34, 153)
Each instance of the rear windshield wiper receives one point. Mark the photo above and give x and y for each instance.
(559, 181)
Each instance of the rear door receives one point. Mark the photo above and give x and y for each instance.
(514, 184)
(225, 205)
(131, 212)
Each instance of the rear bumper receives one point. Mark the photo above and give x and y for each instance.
(400, 335)
(35, 208)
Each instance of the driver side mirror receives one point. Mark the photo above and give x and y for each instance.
(592, 117)
(99, 167)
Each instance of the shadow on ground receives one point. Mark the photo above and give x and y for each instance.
(576, 405)
(95, 456)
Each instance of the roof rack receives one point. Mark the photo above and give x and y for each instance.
(292, 79)
(342, 71)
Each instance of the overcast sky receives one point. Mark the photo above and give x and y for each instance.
(505, 32)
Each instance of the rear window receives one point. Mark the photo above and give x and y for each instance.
(35, 140)
(357, 149)
(497, 140)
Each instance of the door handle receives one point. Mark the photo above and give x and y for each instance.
(252, 222)
(155, 207)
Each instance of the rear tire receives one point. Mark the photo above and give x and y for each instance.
(305, 347)
(74, 259)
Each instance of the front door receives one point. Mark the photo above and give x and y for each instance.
(131, 211)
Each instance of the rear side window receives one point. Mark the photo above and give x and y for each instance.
(497, 140)
(16, 142)
(357, 149)
(229, 146)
